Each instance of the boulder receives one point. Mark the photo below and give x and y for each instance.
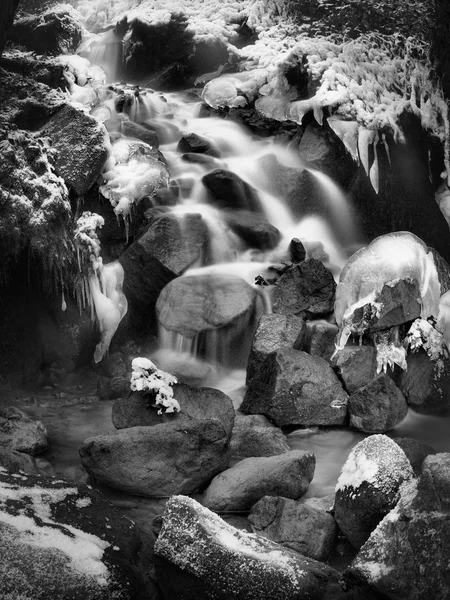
(61, 540)
(195, 403)
(192, 142)
(306, 530)
(242, 485)
(254, 229)
(320, 339)
(377, 406)
(306, 289)
(158, 461)
(81, 143)
(426, 383)
(297, 250)
(415, 451)
(411, 545)
(196, 303)
(20, 433)
(356, 366)
(14, 461)
(228, 190)
(247, 441)
(294, 388)
(198, 555)
(367, 488)
(110, 388)
(273, 333)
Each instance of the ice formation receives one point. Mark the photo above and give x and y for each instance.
(146, 377)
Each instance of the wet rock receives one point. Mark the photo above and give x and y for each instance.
(248, 440)
(306, 289)
(367, 488)
(57, 30)
(297, 250)
(294, 388)
(195, 403)
(410, 547)
(61, 540)
(273, 333)
(192, 304)
(14, 461)
(134, 130)
(415, 451)
(253, 228)
(228, 190)
(426, 383)
(19, 432)
(320, 339)
(192, 142)
(81, 144)
(110, 388)
(356, 366)
(306, 530)
(165, 459)
(200, 556)
(378, 406)
(241, 486)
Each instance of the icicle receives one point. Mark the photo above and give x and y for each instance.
(386, 147)
(374, 174)
(63, 300)
(318, 113)
(347, 131)
(297, 110)
(365, 138)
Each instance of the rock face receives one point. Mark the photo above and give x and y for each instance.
(294, 388)
(61, 540)
(273, 333)
(198, 555)
(20, 433)
(241, 486)
(81, 145)
(306, 289)
(306, 530)
(195, 403)
(228, 190)
(426, 383)
(410, 547)
(192, 304)
(367, 488)
(356, 366)
(161, 460)
(377, 406)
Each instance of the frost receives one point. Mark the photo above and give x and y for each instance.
(356, 470)
(422, 334)
(146, 377)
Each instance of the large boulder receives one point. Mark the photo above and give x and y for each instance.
(242, 485)
(294, 388)
(273, 333)
(61, 540)
(21, 433)
(307, 530)
(195, 403)
(198, 555)
(411, 545)
(81, 143)
(367, 488)
(228, 190)
(161, 460)
(306, 289)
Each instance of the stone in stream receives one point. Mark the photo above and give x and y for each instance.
(61, 540)
(248, 440)
(198, 555)
(273, 333)
(302, 528)
(406, 557)
(306, 289)
(21, 433)
(134, 130)
(195, 403)
(356, 366)
(367, 488)
(165, 459)
(294, 388)
(320, 339)
(253, 228)
(415, 451)
(192, 142)
(297, 250)
(239, 487)
(228, 190)
(377, 406)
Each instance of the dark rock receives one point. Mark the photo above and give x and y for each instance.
(195, 403)
(320, 339)
(110, 388)
(191, 142)
(61, 540)
(57, 30)
(20, 433)
(415, 451)
(306, 530)
(378, 406)
(356, 366)
(306, 289)
(253, 228)
(367, 488)
(134, 130)
(247, 441)
(158, 461)
(248, 421)
(410, 547)
(426, 383)
(14, 461)
(228, 190)
(81, 144)
(294, 388)
(241, 486)
(297, 250)
(273, 333)
(198, 555)
(200, 159)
